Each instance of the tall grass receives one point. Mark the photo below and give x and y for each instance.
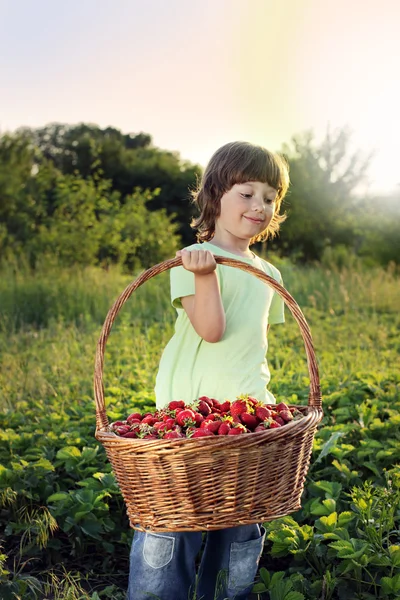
(77, 296)
(83, 296)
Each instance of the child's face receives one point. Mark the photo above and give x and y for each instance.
(247, 209)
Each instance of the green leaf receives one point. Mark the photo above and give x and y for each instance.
(58, 496)
(259, 588)
(395, 555)
(329, 445)
(294, 596)
(265, 576)
(391, 585)
(280, 590)
(68, 452)
(345, 517)
(277, 577)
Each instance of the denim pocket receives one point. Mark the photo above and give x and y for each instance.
(243, 564)
(158, 550)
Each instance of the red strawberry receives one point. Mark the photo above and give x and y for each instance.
(282, 406)
(253, 401)
(186, 417)
(149, 419)
(262, 413)
(130, 434)
(121, 429)
(203, 408)
(286, 415)
(117, 423)
(172, 435)
(238, 407)
(176, 404)
(170, 423)
(249, 420)
(150, 436)
(207, 400)
(237, 430)
(160, 426)
(201, 433)
(224, 428)
(216, 404)
(225, 406)
(274, 425)
(279, 420)
(212, 426)
(198, 418)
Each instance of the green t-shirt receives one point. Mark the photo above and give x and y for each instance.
(191, 367)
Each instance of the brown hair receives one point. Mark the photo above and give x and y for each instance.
(238, 162)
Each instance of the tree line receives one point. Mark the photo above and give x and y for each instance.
(86, 195)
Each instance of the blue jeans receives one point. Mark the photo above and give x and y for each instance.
(162, 565)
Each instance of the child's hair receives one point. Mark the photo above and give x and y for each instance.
(238, 162)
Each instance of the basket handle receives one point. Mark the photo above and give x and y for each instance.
(314, 398)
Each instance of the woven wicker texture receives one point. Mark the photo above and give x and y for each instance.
(210, 483)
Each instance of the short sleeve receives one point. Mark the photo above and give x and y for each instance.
(182, 284)
(277, 308)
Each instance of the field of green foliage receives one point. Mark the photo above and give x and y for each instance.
(63, 526)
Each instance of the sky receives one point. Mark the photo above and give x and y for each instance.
(196, 74)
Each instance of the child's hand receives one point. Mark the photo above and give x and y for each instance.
(199, 262)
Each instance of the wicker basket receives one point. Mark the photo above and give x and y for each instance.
(210, 483)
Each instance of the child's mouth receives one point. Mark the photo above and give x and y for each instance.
(254, 220)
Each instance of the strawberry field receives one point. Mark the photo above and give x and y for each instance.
(64, 531)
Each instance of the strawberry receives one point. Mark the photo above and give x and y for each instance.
(281, 406)
(238, 407)
(150, 436)
(237, 430)
(274, 425)
(224, 428)
(212, 426)
(176, 404)
(160, 426)
(286, 415)
(117, 423)
(121, 429)
(198, 418)
(216, 404)
(262, 413)
(186, 417)
(149, 419)
(207, 400)
(201, 433)
(249, 420)
(253, 401)
(279, 420)
(172, 435)
(203, 408)
(130, 434)
(225, 406)
(170, 423)
(212, 416)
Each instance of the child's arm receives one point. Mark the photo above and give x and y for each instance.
(204, 308)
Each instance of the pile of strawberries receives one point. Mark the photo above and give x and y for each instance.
(206, 417)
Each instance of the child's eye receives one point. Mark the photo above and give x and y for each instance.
(246, 196)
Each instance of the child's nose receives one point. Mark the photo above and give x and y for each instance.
(258, 203)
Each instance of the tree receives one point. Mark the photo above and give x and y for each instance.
(321, 203)
(127, 160)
